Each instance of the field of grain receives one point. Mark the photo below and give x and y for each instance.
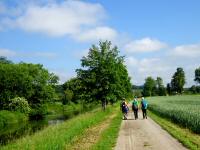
(183, 110)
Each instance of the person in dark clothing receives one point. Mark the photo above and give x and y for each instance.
(124, 108)
(135, 107)
(144, 105)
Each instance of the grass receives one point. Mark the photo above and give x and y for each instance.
(58, 136)
(11, 117)
(183, 110)
(185, 136)
(109, 137)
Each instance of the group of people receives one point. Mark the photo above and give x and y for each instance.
(135, 104)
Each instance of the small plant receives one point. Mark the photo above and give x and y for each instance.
(19, 104)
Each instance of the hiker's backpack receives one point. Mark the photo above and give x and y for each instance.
(135, 105)
(144, 104)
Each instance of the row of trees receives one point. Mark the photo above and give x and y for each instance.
(154, 87)
(103, 77)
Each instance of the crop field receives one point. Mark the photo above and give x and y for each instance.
(183, 110)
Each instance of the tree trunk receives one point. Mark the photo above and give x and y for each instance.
(103, 105)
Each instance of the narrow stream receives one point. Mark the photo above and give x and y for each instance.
(16, 131)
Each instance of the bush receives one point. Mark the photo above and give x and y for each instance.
(19, 104)
(38, 112)
(8, 117)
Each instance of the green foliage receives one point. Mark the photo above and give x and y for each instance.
(183, 110)
(38, 112)
(153, 87)
(10, 117)
(19, 104)
(104, 77)
(68, 96)
(194, 89)
(160, 89)
(149, 87)
(197, 75)
(178, 81)
(30, 81)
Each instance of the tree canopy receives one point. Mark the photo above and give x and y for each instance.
(103, 76)
(30, 81)
(178, 80)
(197, 75)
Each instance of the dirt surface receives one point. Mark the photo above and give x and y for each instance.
(91, 135)
(144, 134)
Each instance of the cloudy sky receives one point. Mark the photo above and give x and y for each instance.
(155, 36)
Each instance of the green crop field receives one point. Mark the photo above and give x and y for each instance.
(183, 110)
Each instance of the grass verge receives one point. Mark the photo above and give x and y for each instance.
(57, 137)
(185, 136)
(109, 136)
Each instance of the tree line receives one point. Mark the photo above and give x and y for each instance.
(103, 78)
(155, 87)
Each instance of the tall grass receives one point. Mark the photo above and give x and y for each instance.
(183, 110)
(11, 117)
(58, 136)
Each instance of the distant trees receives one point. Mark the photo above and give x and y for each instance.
(103, 76)
(197, 75)
(178, 81)
(161, 91)
(154, 87)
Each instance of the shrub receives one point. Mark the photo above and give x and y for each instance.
(19, 104)
(38, 112)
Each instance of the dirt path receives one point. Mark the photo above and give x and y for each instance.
(143, 135)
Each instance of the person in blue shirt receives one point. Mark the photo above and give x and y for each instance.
(144, 106)
(124, 108)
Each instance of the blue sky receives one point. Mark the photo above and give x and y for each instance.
(155, 36)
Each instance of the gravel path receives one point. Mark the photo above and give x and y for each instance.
(144, 135)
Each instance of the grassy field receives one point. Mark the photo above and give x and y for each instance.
(62, 136)
(182, 110)
(185, 136)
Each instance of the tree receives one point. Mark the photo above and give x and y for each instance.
(104, 76)
(197, 75)
(4, 60)
(160, 87)
(149, 87)
(169, 89)
(30, 81)
(178, 81)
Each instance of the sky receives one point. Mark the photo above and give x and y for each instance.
(155, 36)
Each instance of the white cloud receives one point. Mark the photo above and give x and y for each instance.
(144, 45)
(163, 67)
(192, 50)
(7, 53)
(11, 53)
(98, 33)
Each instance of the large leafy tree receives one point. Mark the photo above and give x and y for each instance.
(197, 75)
(149, 87)
(178, 80)
(30, 81)
(104, 76)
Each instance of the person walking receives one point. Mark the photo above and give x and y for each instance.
(144, 105)
(124, 109)
(135, 107)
